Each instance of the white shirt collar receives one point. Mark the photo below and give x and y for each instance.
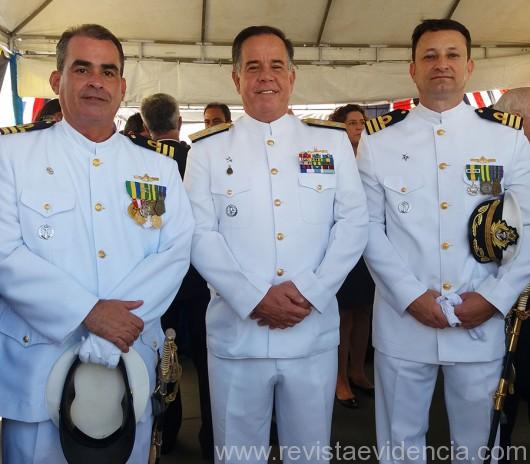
(268, 129)
(443, 117)
(87, 144)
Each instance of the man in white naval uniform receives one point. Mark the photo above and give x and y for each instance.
(419, 173)
(280, 220)
(73, 263)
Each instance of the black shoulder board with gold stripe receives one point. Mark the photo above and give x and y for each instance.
(26, 127)
(150, 144)
(376, 124)
(196, 136)
(324, 123)
(506, 119)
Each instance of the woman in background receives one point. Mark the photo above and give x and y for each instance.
(355, 297)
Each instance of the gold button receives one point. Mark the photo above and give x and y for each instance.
(277, 202)
(229, 192)
(440, 132)
(447, 286)
(444, 205)
(319, 187)
(270, 142)
(274, 171)
(96, 162)
(280, 236)
(25, 338)
(280, 272)
(403, 189)
(445, 245)
(101, 254)
(47, 206)
(443, 165)
(98, 207)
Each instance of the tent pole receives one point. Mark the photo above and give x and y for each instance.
(18, 106)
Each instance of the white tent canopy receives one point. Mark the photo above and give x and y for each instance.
(345, 50)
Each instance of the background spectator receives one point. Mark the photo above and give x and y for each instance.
(355, 297)
(216, 113)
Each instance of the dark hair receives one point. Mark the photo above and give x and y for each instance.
(259, 30)
(47, 112)
(340, 113)
(433, 25)
(160, 112)
(134, 124)
(93, 31)
(224, 108)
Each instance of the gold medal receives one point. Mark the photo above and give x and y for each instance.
(131, 210)
(139, 218)
(156, 221)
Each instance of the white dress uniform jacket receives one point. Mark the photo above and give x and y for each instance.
(59, 179)
(414, 173)
(260, 221)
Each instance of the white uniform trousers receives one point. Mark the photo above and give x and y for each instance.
(403, 397)
(242, 393)
(39, 443)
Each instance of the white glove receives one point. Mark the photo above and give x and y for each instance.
(97, 350)
(447, 303)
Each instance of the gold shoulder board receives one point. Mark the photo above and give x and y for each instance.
(150, 144)
(26, 127)
(506, 119)
(324, 123)
(385, 120)
(196, 136)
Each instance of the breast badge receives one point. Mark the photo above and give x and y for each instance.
(148, 203)
(46, 232)
(404, 207)
(146, 178)
(229, 170)
(317, 162)
(231, 210)
(484, 177)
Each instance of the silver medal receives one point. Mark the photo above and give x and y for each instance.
(473, 189)
(46, 232)
(231, 210)
(404, 207)
(486, 187)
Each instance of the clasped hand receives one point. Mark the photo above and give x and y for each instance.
(113, 321)
(473, 311)
(282, 306)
